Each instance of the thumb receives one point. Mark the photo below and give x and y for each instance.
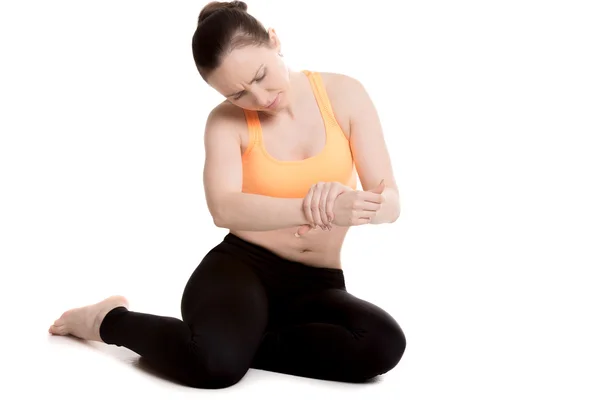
(303, 230)
(379, 188)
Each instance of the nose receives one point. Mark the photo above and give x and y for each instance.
(262, 97)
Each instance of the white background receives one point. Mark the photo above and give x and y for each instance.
(491, 114)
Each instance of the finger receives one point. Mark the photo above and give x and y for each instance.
(371, 197)
(323, 207)
(316, 213)
(361, 221)
(307, 206)
(303, 230)
(379, 188)
(365, 214)
(369, 206)
(333, 194)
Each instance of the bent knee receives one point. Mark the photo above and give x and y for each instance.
(216, 372)
(391, 346)
(384, 347)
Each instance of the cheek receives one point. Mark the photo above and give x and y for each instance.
(278, 80)
(247, 102)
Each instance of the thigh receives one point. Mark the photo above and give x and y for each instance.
(376, 334)
(225, 306)
(332, 334)
(339, 307)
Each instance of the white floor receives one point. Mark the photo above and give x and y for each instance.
(68, 368)
(466, 339)
(109, 372)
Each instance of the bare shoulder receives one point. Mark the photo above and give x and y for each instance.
(344, 93)
(340, 84)
(225, 121)
(227, 115)
(346, 90)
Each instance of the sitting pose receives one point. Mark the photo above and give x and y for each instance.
(283, 154)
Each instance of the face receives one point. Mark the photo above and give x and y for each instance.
(254, 78)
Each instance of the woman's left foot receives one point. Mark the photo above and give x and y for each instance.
(84, 322)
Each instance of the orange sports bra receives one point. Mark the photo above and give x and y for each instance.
(265, 175)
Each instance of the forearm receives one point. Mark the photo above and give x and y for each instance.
(252, 212)
(390, 208)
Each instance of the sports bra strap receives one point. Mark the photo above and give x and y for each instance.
(254, 129)
(318, 87)
(320, 92)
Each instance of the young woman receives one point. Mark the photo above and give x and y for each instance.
(283, 152)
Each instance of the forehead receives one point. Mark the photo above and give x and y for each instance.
(239, 66)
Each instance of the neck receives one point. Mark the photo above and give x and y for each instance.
(295, 95)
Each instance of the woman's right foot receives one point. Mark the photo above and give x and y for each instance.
(84, 322)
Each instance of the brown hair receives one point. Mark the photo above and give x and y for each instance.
(222, 28)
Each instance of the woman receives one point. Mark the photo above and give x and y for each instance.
(282, 152)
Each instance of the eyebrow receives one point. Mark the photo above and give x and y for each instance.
(249, 83)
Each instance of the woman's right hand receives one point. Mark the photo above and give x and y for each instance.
(318, 205)
(357, 207)
(349, 207)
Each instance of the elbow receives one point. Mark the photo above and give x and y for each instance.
(219, 220)
(392, 204)
(219, 223)
(216, 207)
(396, 213)
(217, 216)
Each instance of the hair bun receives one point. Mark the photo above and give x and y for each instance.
(215, 6)
(240, 5)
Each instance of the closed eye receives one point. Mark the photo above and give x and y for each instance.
(240, 94)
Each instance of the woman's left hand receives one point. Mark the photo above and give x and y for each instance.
(318, 205)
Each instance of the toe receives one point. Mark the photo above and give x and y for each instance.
(57, 329)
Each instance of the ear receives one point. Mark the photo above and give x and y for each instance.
(274, 39)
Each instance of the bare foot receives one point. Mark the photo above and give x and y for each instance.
(84, 322)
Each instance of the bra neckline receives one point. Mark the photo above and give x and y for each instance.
(323, 121)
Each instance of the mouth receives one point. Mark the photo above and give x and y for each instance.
(274, 102)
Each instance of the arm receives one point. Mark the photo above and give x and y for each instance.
(370, 152)
(229, 207)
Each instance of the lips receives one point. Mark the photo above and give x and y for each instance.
(274, 102)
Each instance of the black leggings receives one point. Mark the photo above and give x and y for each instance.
(246, 307)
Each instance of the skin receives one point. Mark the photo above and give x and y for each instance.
(291, 131)
(296, 123)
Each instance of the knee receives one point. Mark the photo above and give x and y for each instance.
(385, 346)
(393, 344)
(222, 375)
(217, 371)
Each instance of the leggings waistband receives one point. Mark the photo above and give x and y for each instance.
(285, 265)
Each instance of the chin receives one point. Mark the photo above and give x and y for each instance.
(280, 103)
